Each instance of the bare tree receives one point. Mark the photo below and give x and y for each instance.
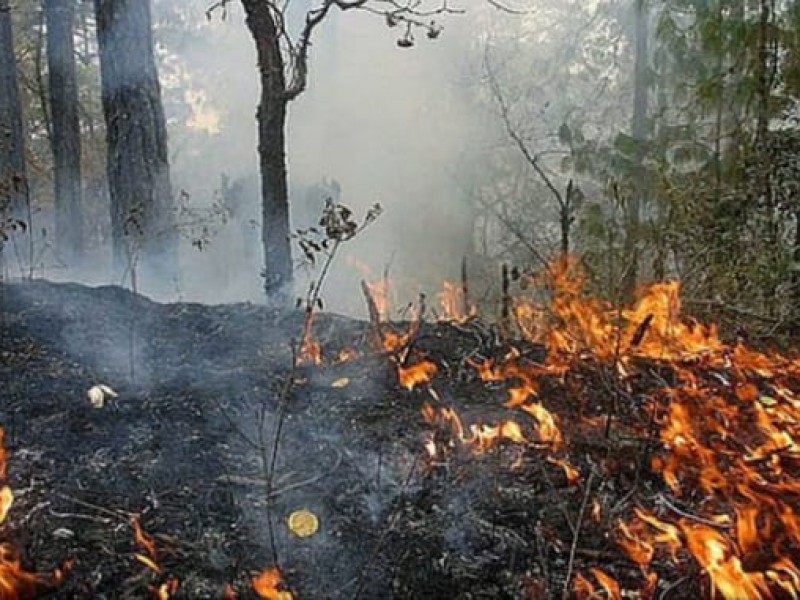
(142, 218)
(283, 61)
(65, 139)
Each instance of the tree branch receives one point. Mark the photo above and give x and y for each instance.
(514, 135)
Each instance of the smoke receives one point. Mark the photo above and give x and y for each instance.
(386, 124)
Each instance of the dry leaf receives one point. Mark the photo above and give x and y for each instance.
(97, 395)
(341, 382)
(303, 523)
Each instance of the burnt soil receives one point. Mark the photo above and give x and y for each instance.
(179, 447)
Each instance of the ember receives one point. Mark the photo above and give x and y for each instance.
(268, 585)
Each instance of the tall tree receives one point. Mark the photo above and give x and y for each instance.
(639, 132)
(142, 220)
(65, 138)
(13, 180)
(283, 69)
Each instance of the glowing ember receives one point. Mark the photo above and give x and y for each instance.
(6, 499)
(347, 354)
(268, 585)
(417, 374)
(15, 582)
(310, 349)
(609, 588)
(228, 593)
(148, 545)
(166, 590)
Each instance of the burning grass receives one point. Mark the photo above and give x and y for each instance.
(584, 451)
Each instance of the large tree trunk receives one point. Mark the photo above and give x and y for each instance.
(13, 181)
(272, 149)
(66, 140)
(142, 219)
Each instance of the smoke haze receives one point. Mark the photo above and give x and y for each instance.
(389, 125)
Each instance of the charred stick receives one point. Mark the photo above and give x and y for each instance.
(576, 534)
(663, 500)
(641, 331)
(375, 339)
(269, 459)
(122, 515)
(505, 311)
(554, 492)
(465, 286)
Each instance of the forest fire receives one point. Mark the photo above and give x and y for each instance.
(727, 420)
(678, 448)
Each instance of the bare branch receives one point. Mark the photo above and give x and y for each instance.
(391, 10)
(514, 135)
(507, 9)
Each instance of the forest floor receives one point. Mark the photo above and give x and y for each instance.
(180, 450)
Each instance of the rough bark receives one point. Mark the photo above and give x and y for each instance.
(271, 117)
(65, 137)
(13, 180)
(142, 219)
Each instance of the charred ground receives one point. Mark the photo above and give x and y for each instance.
(178, 448)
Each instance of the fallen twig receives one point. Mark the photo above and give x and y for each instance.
(576, 534)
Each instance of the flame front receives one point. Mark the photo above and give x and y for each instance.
(728, 422)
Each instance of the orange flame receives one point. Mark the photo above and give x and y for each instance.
(455, 306)
(166, 590)
(417, 374)
(310, 349)
(15, 582)
(147, 543)
(268, 584)
(608, 585)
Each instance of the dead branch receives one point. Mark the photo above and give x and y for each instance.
(514, 135)
(576, 534)
(374, 317)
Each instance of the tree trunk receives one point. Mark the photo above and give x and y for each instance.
(65, 140)
(142, 220)
(13, 180)
(272, 149)
(639, 133)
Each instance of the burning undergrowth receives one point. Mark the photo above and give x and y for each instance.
(572, 449)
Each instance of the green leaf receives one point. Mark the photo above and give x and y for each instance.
(626, 144)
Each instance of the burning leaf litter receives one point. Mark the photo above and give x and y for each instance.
(16, 583)
(269, 585)
(691, 444)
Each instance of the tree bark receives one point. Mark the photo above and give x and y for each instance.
(271, 117)
(13, 179)
(142, 219)
(65, 139)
